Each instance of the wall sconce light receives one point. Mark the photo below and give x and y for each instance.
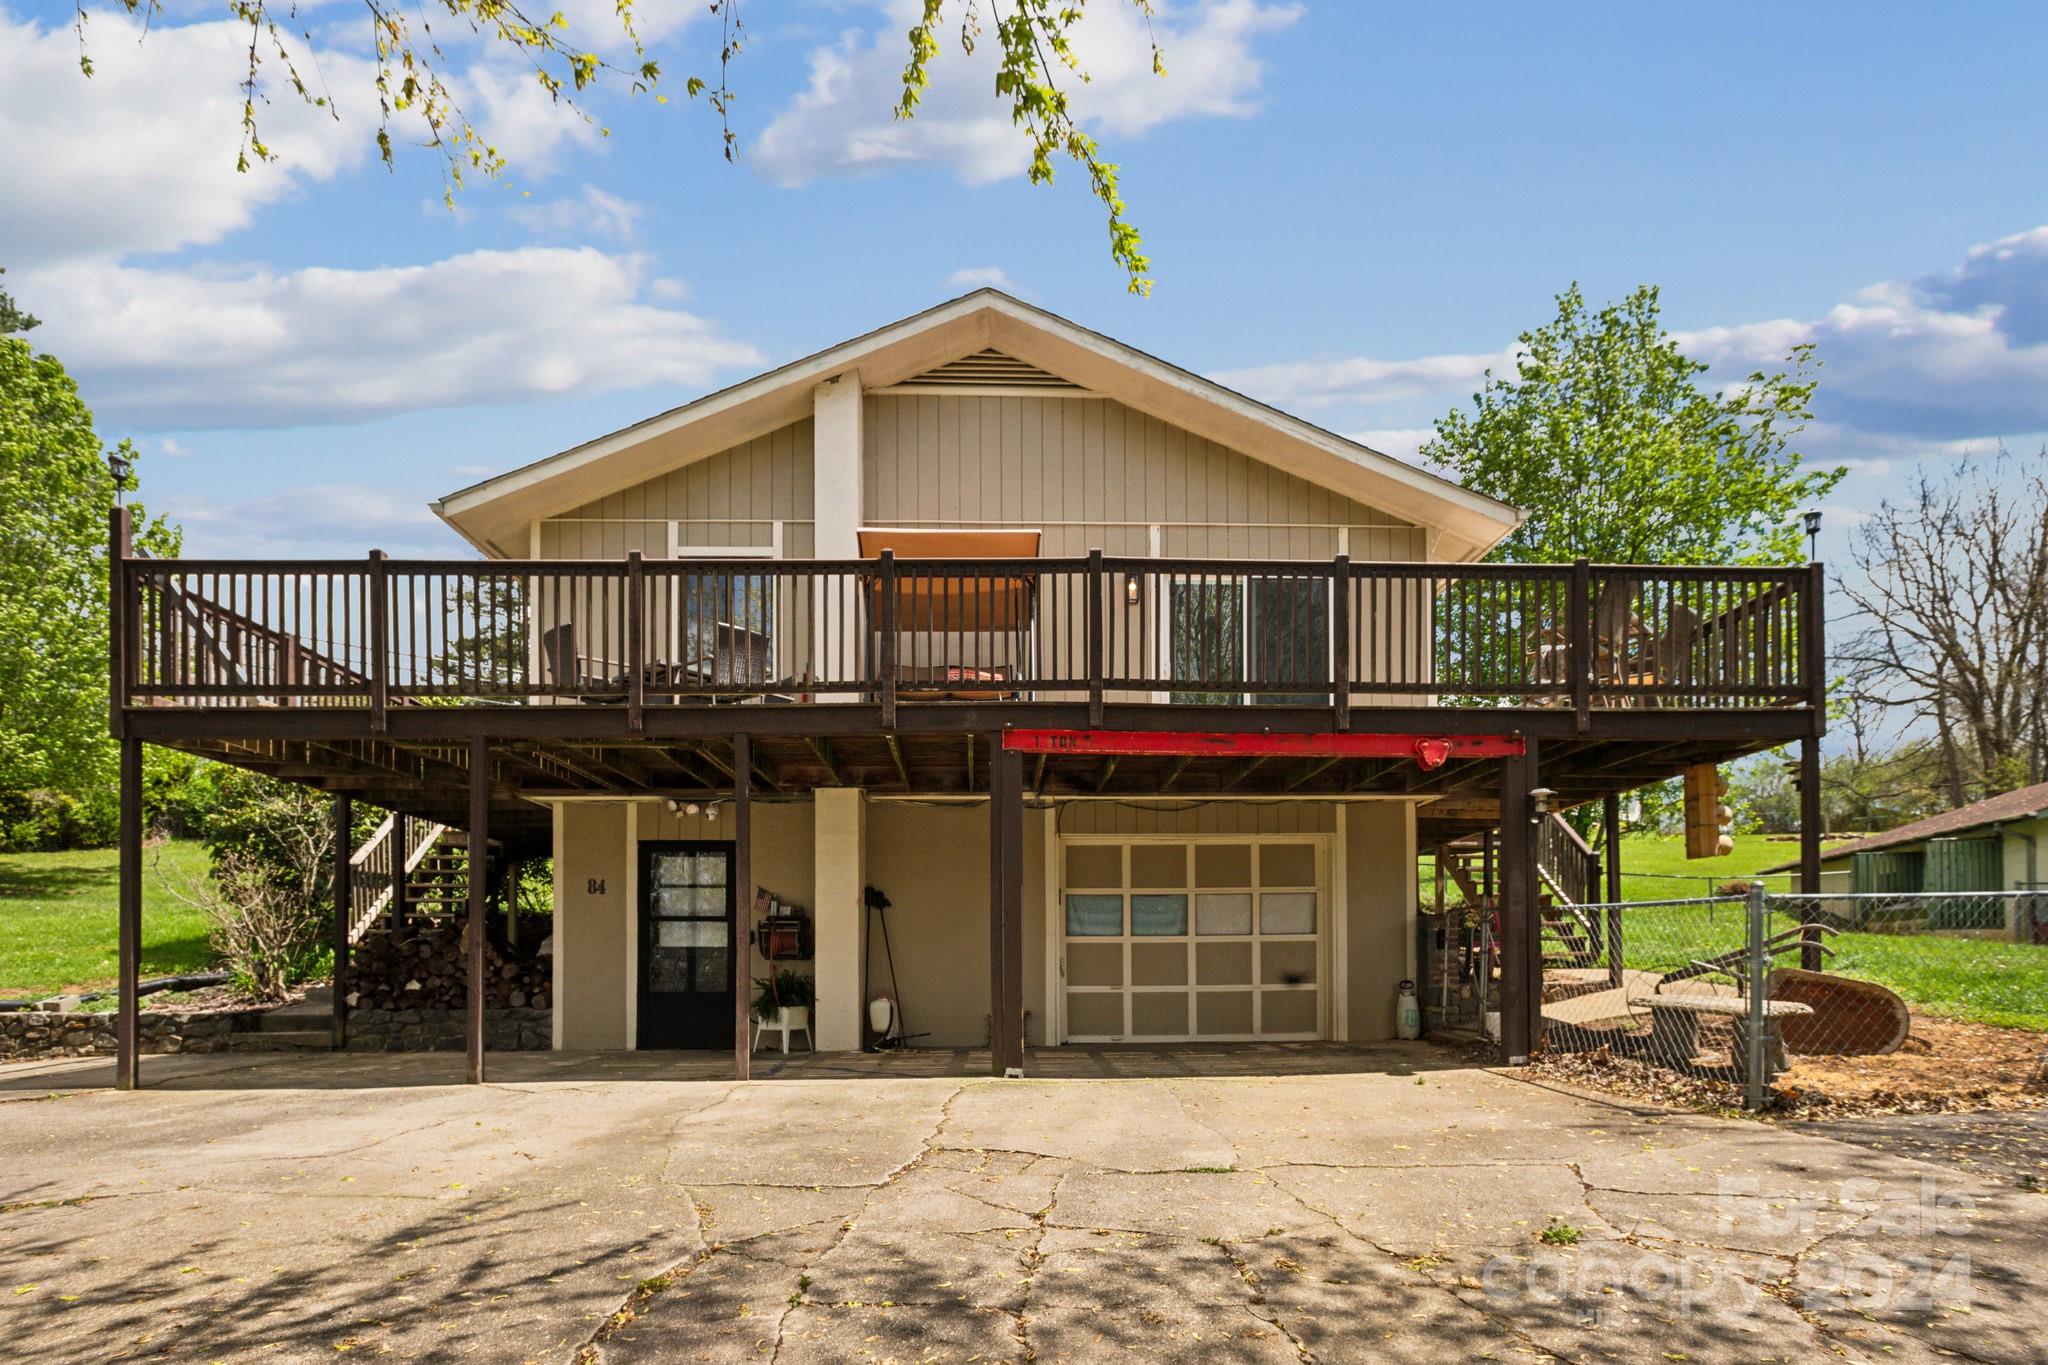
(1539, 804)
(1131, 591)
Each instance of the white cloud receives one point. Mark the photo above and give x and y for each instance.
(141, 157)
(328, 520)
(174, 448)
(842, 124)
(592, 213)
(983, 277)
(1942, 366)
(247, 347)
(1362, 380)
(1954, 357)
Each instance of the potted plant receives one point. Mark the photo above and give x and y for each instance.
(784, 1000)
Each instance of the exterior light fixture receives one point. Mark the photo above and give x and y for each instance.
(118, 466)
(1539, 804)
(1131, 591)
(692, 808)
(1812, 520)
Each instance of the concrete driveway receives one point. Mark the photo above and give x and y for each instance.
(1380, 1203)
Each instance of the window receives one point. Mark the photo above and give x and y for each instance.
(1268, 629)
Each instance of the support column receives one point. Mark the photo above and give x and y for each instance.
(741, 953)
(839, 879)
(512, 872)
(479, 901)
(1809, 848)
(1517, 910)
(401, 840)
(1006, 909)
(1610, 838)
(128, 1023)
(838, 641)
(344, 911)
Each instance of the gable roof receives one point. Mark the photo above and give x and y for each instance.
(2023, 804)
(493, 515)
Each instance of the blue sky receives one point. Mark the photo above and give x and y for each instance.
(1352, 209)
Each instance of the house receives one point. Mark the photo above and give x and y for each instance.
(1136, 699)
(1991, 845)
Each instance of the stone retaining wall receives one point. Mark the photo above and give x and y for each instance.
(26, 1034)
(505, 1030)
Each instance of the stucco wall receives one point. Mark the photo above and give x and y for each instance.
(932, 860)
(591, 926)
(596, 933)
(1379, 883)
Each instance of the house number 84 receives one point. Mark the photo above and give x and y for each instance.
(596, 886)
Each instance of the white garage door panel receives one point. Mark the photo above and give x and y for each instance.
(1168, 940)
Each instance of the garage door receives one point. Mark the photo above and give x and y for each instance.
(1170, 940)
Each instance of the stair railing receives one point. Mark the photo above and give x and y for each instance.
(375, 875)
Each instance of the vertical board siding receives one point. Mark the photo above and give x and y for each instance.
(1077, 466)
(767, 479)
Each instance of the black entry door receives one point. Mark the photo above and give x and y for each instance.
(686, 945)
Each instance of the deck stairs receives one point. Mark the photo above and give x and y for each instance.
(435, 879)
(1572, 936)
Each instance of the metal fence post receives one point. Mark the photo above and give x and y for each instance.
(1759, 976)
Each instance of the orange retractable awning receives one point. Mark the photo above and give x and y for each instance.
(966, 601)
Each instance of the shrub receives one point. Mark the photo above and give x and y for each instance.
(52, 822)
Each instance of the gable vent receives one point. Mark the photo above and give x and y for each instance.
(989, 370)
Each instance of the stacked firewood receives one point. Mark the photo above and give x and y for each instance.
(423, 966)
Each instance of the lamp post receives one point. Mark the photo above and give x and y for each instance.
(118, 466)
(1812, 520)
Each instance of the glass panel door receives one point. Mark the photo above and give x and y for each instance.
(686, 945)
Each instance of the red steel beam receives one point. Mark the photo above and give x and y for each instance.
(1431, 751)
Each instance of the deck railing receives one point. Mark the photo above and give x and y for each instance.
(382, 632)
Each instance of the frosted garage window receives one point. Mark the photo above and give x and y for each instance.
(1228, 912)
(1095, 916)
(1159, 915)
(1287, 912)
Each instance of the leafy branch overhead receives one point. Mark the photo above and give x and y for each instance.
(412, 84)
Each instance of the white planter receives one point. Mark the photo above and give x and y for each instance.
(792, 1017)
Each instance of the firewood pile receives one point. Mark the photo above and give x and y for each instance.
(421, 966)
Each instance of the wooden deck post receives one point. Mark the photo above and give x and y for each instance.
(1006, 909)
(1091, 616)
(121, 633)
(889, 627)
(479, 900)
(743, 905)
(1809, 848)
(1610, 838)
(401, 841)
(344, 912)
(127, 1023)
(1340, 639)
(1517, 911)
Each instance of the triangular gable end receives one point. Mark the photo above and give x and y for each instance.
(984, 338)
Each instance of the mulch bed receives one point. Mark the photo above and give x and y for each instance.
(1943, 1067)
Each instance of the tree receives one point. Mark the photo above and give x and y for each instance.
(55, 494)
(1606, 439)
(12, 319)
(1034, 58)
(1952, 606)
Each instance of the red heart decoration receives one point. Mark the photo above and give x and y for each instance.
(1431, 753)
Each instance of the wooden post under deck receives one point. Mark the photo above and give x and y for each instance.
(1809, 848)
(127, 1022)
(1517, 909)
(743, 904)
(1006, 909)
(1610, 838)
(479, 899)
(344, 911)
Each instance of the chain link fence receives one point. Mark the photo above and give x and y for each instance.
(1735, 989)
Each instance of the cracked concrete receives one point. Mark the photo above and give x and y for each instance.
(1397, 1207)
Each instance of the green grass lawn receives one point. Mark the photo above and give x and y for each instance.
(1654, 866)
(58, 913)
